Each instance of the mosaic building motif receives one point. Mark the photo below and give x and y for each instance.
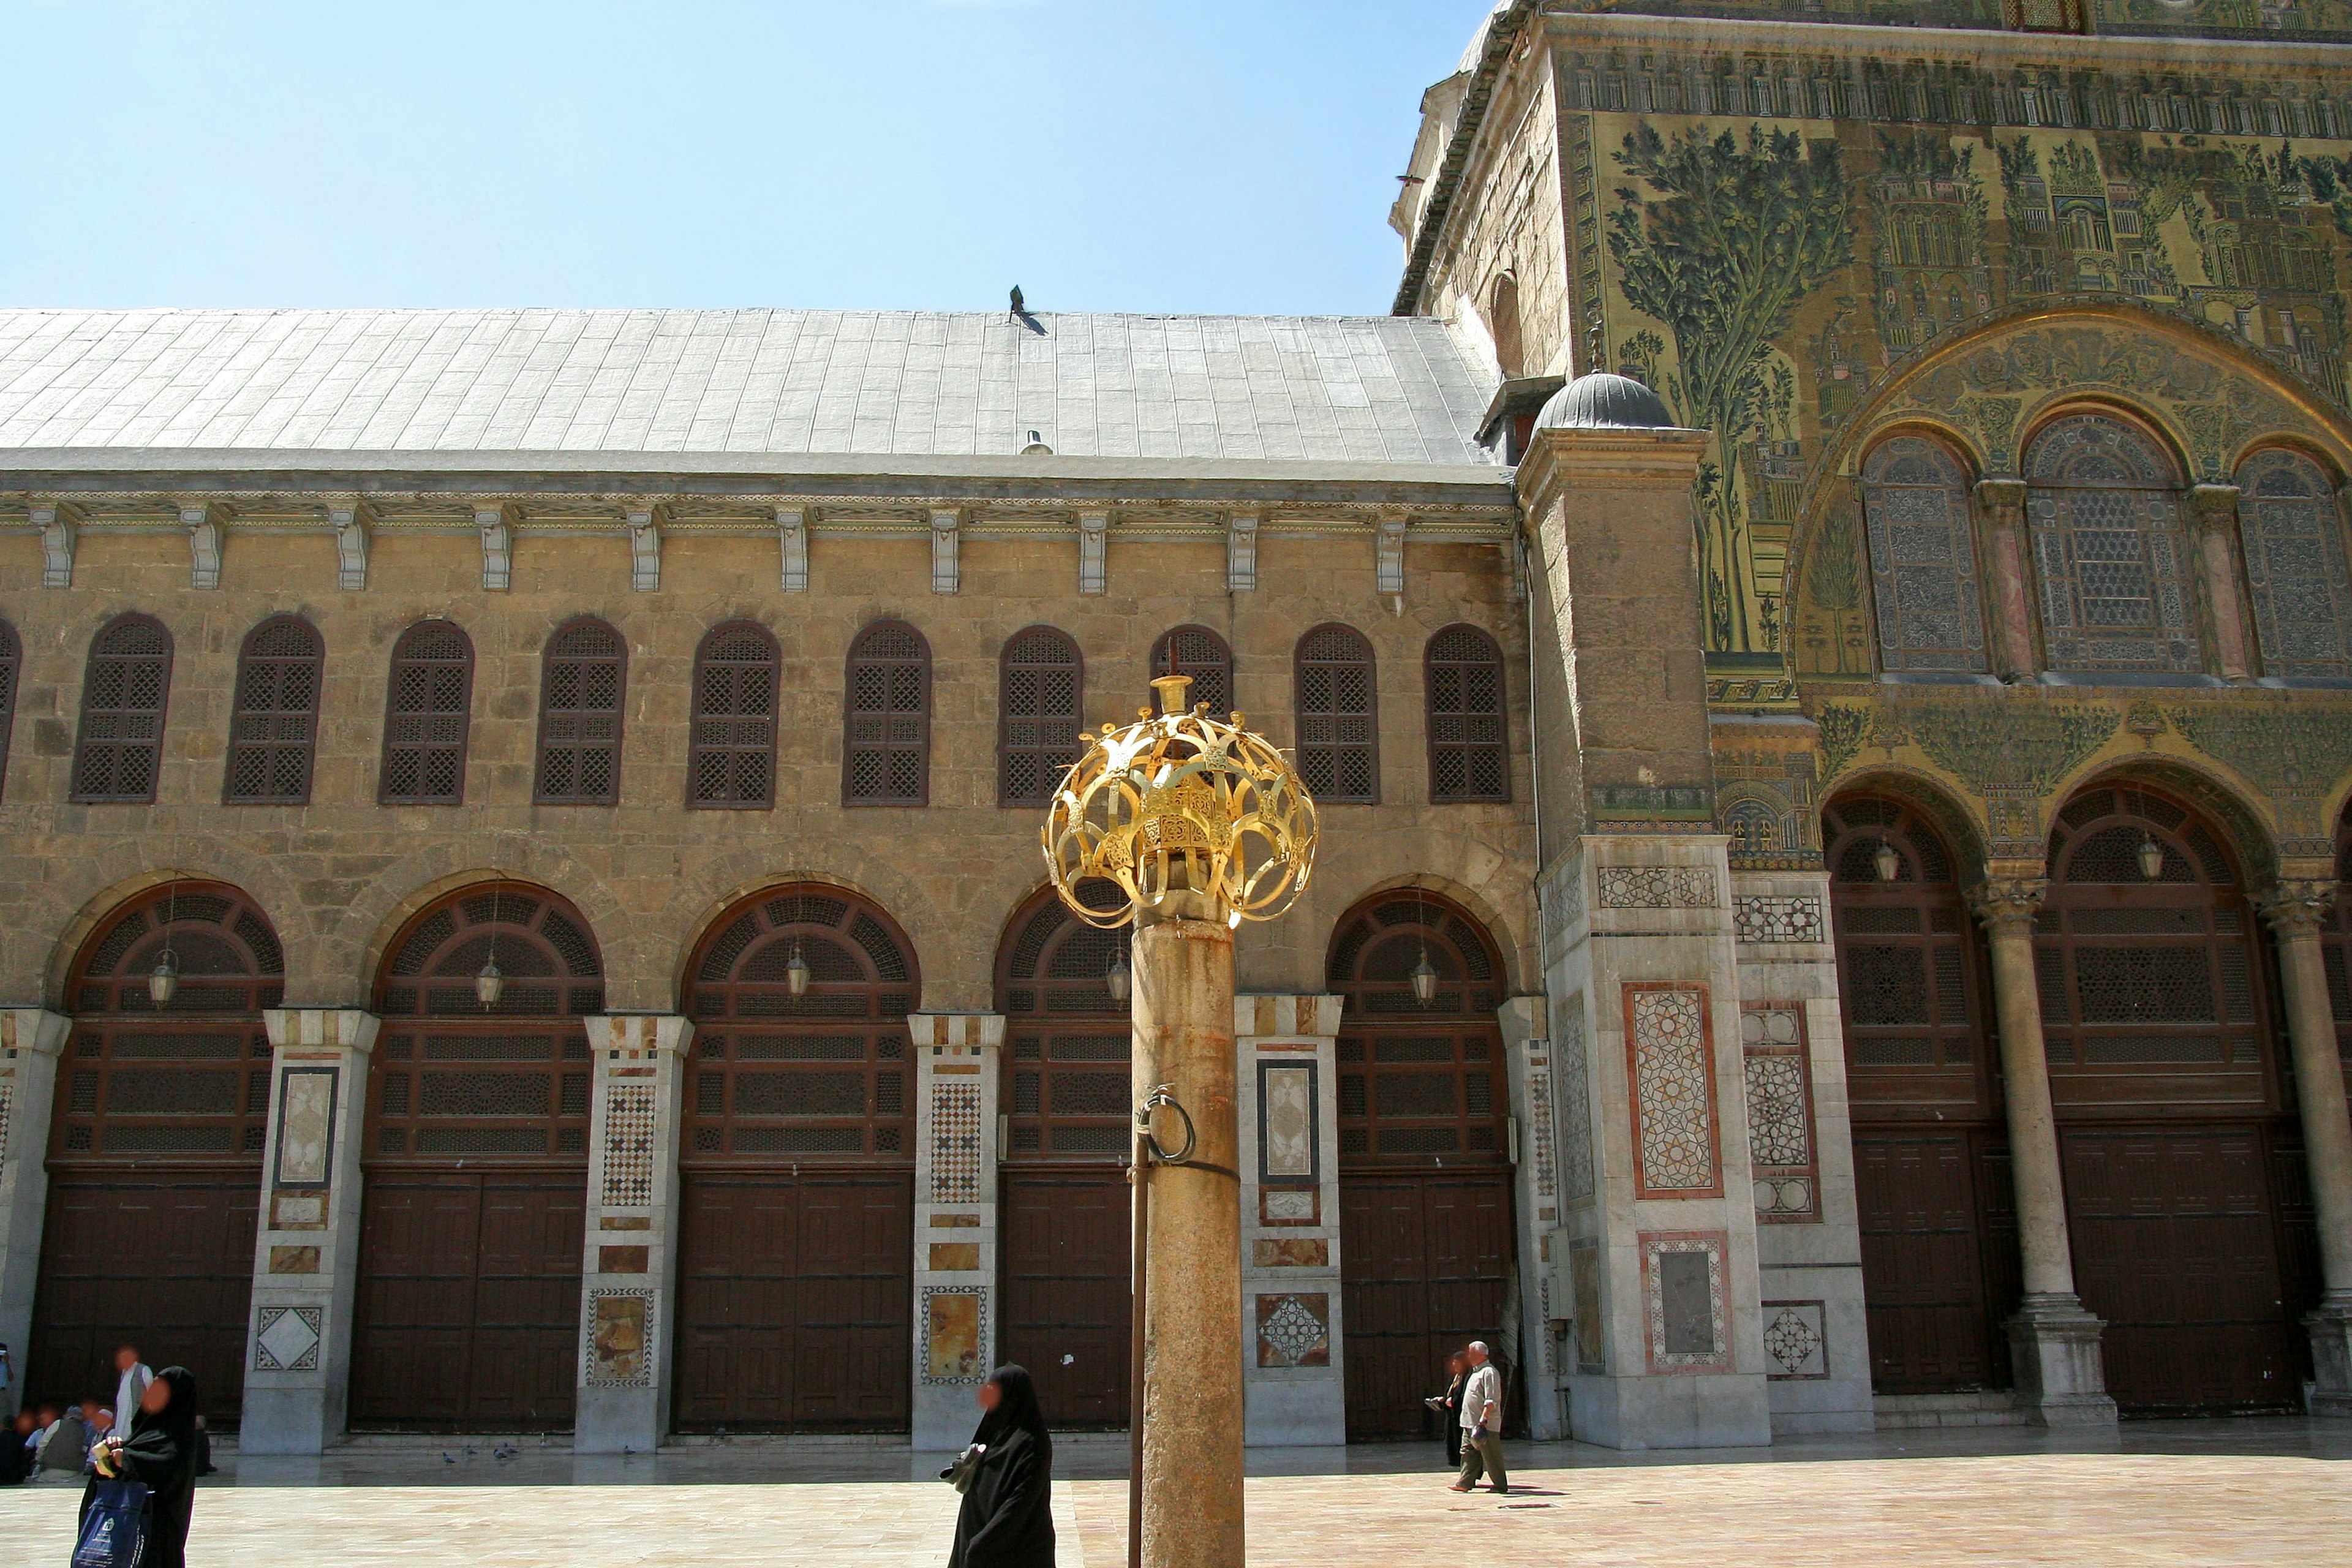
(629, 1145)
(1672, 1060)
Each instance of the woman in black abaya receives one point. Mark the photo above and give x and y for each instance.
(161, 1454)
(1007, 1520)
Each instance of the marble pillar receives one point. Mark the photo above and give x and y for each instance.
(2053, 1341)
(628, 1285)
(2297, 912)
(1531, 1355)
(31, 1040)
(1294, 1383)
(2009, 583)
(2220, 572)
(306, 1249)
(958, 1056)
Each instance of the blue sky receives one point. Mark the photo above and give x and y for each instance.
(1215, 155)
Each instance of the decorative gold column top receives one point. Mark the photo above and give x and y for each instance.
(2296, 908)
(2007, 905)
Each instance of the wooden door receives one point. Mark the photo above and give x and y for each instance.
(1066, 1295)
(793, 1301)
(1424, 1260)
(467, 1316)
(1935, 1293)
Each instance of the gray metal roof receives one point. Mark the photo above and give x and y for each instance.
(1378, 389)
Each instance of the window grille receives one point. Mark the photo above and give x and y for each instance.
(2104, 509)
(585, 673)
(733, 756)
(887, 748)
(1469, 743)
(274, 723)
(2293, 533)
(1040, 694)
(1339, 741)
(1202, 654)
(429, 704)
(1923, 562)
(124, 692)
(1909, 963)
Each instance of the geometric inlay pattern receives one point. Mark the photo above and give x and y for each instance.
(286, 1339)
(7, 1099)
(1776, 917)
(1669, 1045)
(1797, 1339)
(628, 1145)
(1540, 1119)
(955, 1142)
(1688, 1318)
(621, 1327)
(1780, 1112)
(1655, 887)
(1294, 1330)
(1575, 1106)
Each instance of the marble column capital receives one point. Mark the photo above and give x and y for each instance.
(2296, 908)
(2216, 506)
(2003, 502)
(2007, 905)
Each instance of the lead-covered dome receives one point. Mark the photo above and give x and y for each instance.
(1601, 400)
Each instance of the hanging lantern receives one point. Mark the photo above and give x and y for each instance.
(1118, 981)
(1889, 861)
(796, 973)
(490, 984)
(1424, 979)
(2151, 858)
(164, 980)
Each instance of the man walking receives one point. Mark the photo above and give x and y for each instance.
(1482, 1423)
(132, 1380)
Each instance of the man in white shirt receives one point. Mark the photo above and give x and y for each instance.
(1482, 1423)
(134, 1379)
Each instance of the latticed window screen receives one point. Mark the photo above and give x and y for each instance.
(2102, 505)
(1419, 1083)
(1041, 688)
(274, 723)
(733, 755)
(427, 708)
(1469, 750)
(827, 1073)
(1923, 564)
(124, 691)
(451, 1080)
(1909, 974)
(1339, 722)
(1202, 654)
(187, 1081)
(2293, 533)
(2141, 973)
(12, 658)
(886, 750)
(1065, 1092)
(585, 674)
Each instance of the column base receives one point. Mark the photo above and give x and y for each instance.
(1683, 1410)
(2330, 1326)
(617, 1421)
(287, 1421)
(2062, 1376)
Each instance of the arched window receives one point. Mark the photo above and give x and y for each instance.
(885, 755)
(427, 709)
(1511, 353)
(124, 693)
(12, 658)
(1066, 1083)
(732, 757)
(1420, 1081)
(275, 723)
(584, 674)
(2102, 504)
(2293, 533)
(1923, 563)
(1908, 964)
(1339, 718)
(1202, 654)
(1040, 687)
(1469, 739)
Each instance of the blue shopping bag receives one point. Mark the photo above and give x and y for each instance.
(114, 1531)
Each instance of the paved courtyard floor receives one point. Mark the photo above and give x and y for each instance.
(2213, 1494)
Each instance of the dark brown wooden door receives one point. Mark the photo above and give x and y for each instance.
(1066, 1303)
(469, 1304)
(792, 1301)
(1424, 1260)
(1938, 1266)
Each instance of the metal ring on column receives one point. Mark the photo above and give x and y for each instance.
(1163, 1096)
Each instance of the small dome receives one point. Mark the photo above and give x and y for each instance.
(1604, 402)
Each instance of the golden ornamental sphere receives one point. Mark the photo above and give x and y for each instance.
(1184, 814)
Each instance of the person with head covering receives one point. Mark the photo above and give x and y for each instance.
(1448, 1406)
(159, 1453)
(1007, 1520)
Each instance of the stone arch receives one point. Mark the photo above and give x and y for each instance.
(100, 883)
(1519, 975)
(697, 908)
(1958, 817)
(2232, 805)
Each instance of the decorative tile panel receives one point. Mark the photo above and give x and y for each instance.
(1290, 1252)
(306, 1126)
(1575, 1102)
(1795, 1339)
(955, 1333)
(1670, 1051)
(7, 1102)
(1539, 1126)
(1780, 1144)
(628, 1145)
(1655, 887)
(1294, 1330)
(1290, 1205)
(620, 1339)
(1777, 917)
(1286, 1121)
(955, 1142)
(1685, 1310)
(287, 1339)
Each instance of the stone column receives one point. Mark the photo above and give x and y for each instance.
(2009, 583)
(30, 1043)
(1288, 1116)
(306, 1249)
(629, 1283)
(1529, 1354)
(1193, 1413)
(2296, 910)
(2053, 1341)
(2218, 547)
(958, 1057)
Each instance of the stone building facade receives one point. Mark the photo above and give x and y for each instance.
(1874, 807)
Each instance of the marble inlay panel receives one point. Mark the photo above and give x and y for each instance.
(1669, 1041)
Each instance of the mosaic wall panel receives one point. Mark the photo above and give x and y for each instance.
(628, 1145)
(306, 1126)
(1575, 1102)
(287, 1339)
(1685, 1304)
(1795, 1339)
(1293, 1328)
(620, 1339)
(955, 1140)
(1781, 1144)
(1539, 1134)
(955, 1335)
(1758, 918)
(1287, 1142)
(1655, 887)
(1670, 1060)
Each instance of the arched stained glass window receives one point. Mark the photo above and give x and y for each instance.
(1339, 716)
(733, 753)
(124, 692)
(2293, 534)
(2104, 506)
(584, 675)
(1041, 685)
(427, 703)
(275, 723)
(1923, 564)
(886, 756)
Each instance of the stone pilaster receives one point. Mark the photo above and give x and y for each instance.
(306, 1247)
(2053, 1341)
(30, 1042)
(1801, 1148)
(1534, 1354)
(957, 1058)
(2221, 570)
(1294, 1385)
(628, 1288)
(2009, 584)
